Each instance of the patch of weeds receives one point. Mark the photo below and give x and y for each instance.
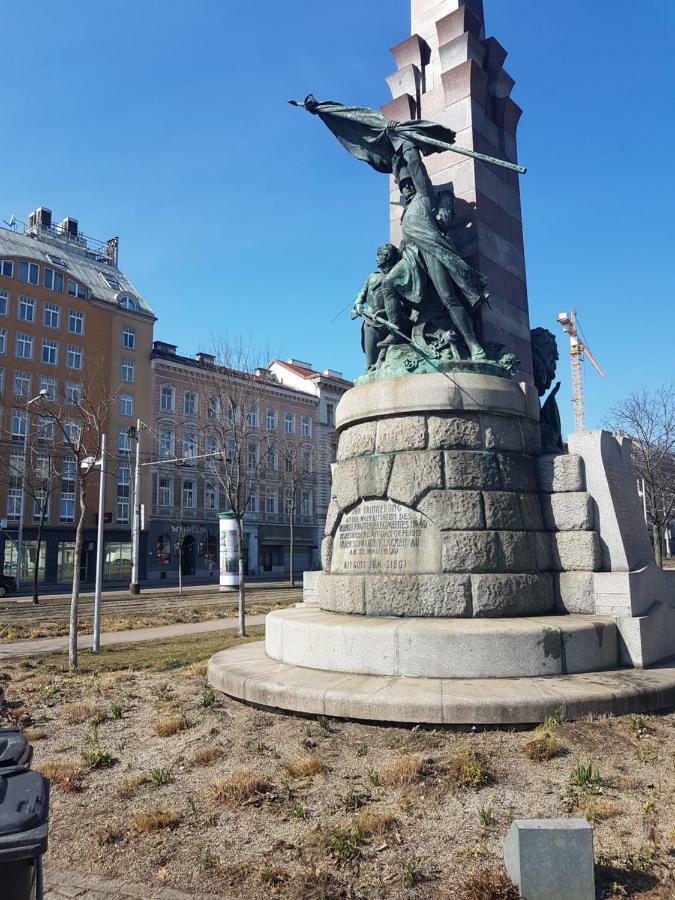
(356, 799)
(304, 766)
(407, 769)
(169, 725)
(197, 669)
(410, 874)
(206, 755)
(109, 835)
(597, 809)
(469, 770)
(159, 777)
(587, 776)
(35, 734)
(209, 860)
(510, 816)
(405, 804)
(128, 787)
(554, 717)
(239, 787)
(487, 819)
(149, 820)
(77, 713)
(374, 778)
(323, 726)
(94, 755)
(544, 747)
(646, 755)
(165, 692)
(65, 774)
(208, 698)
(299, 813)
(273, 876)
(362, 750)
(486, 883)
(116, 711)
(369, 822)
(639, 725)
(339, 844)
(644, 859)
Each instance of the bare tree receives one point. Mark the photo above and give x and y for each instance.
(232, 389)
(648, 417)
(297, 476)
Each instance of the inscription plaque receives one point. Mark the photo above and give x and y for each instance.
(384, 538)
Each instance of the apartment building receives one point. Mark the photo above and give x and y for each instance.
(70, 321)
(292, 410)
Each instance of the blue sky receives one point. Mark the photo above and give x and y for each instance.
(166, 123)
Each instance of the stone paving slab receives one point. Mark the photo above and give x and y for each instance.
(16, 649)
(67, 885)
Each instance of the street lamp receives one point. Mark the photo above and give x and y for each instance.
(87, 464)
(19, 544)
(134, 433)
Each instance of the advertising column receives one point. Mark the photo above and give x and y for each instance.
(229, 570)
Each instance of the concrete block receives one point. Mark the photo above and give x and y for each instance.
(413, 474)
(373, 476)
(326, 553)
(576, 551)
(530, 508)
(401, 433)
(518, 473)
(359, 440)
(502, 510)
(310, 588)
(543, 545)
(531, 436)
(332, 517)
(497, 596)
(343, 594)
(551, 859)
(454, 432)
(560, 473)
(471, 470)
(518, 552)
(344, 483)
(571, 511)
(575, 593)
(454, 510)
(502, 433)
(418, 595)
(470, 551)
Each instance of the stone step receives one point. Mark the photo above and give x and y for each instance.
(442, 648)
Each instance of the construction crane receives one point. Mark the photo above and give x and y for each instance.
(578, 350)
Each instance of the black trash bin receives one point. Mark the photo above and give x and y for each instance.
(15, 751)
(24, 812)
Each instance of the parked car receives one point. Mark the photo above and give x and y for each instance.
(7, 585)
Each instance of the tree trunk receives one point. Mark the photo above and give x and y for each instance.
(37, 553)
(180, 568)
(291, 530)
(656, 540)
(75, 596)
(242, 584)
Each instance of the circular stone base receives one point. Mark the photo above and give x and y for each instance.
(442, 648)
(247, 673)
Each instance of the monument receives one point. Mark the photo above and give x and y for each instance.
(473, 571)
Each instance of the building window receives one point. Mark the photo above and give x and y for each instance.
(74, 360)
(17, 428)
(127, 371)
(127, 302)
(190, 403)
(24, 346)
(26, 311)
(111, 280)
(123, 441)
(75, 322)
(4, 303)
(289, 423)
(271, 504)
(48, 384)
(163, 550)
(14, 496)
(167, 399)
(164, 492)
(273, 455)
(271, 420)
(251, 455)
(288, 503)
(252, 503)
(46, 429)
(117, 564)
(71, 432)
(166, 444)
(306, 504)
(123, 494)
(29, 273)
(2, 381)
(209, 444)
(75, 290)
(22, 383)
(67, 502)
(72, 392)
(230, 452)
(210, 496)
(50, 352)
(6, 268)
(306, 426)
(57, 261)
(52, 280)
(126, 405)
(212, 408)
(189, 444)
(253, 418)
(189, 495)
(51, 315)
(3, 340)
(306, 461)
(128, 338)
(330, 414)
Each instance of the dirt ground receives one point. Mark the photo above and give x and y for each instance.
(157, 779)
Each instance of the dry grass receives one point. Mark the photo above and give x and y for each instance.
(238, 787)
(128, 787)
(206, 755)
(148, 820)
(197, 669)
(77, 713)
(169, 726)
(304, 766)
(485, 884)
(597, 809)
(543, 747)
(469, 770)
(35, 734)
(407, 769)
(66, 774)
(369, 822)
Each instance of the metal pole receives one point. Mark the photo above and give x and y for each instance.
(19, 542)
(134, 587)
(96, 645)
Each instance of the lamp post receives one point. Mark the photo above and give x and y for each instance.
(89, 463)
(134, 587)
(19, 542)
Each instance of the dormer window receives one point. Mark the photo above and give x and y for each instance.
(57, 261)
(127, 302)
(111, 279)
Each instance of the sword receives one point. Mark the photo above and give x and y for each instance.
(378, 320)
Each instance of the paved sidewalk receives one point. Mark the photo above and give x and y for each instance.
(16, 649)
(64, 885)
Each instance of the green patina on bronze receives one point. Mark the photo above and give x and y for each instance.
(545, 362)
